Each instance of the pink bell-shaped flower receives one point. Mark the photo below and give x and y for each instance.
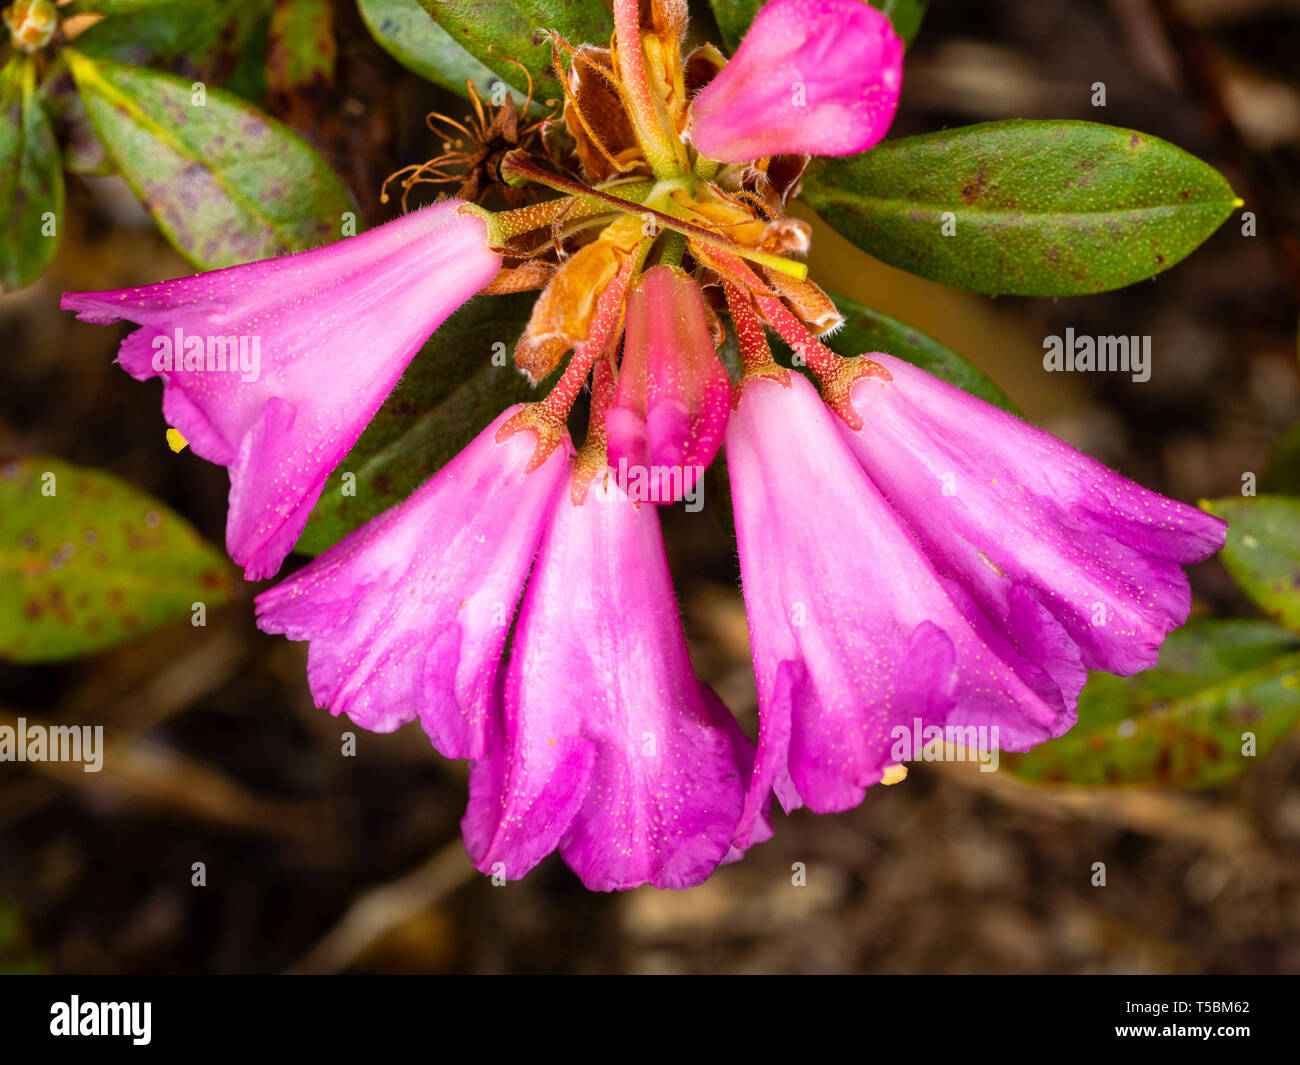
(274, 368)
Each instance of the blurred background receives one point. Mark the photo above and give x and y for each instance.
(318, 862)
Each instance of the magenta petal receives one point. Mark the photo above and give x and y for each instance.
(612, 751)
(811, 77)
(853, 632)
(333, 329)
(408, 615)
(1054, 547)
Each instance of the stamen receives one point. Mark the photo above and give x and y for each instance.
(439, 116)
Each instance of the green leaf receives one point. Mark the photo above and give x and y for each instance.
(411, 36)
(31, 178)
(497, 31)
(1263, 551)
(450, 392)
(1182, 723)
(868, 330)
(226, 183)
(90, 562)
(1031, 208)
(303, 46)
(734, 17)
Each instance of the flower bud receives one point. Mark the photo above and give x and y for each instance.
(817, 77)
(670, 408)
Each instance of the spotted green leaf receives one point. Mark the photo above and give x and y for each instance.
(31, 178)
(90, 562)
(1263, 551)
(191, 40)
(1024, 207)
(226, 183)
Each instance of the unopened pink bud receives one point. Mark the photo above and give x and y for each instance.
(670, 410)
(811, 77)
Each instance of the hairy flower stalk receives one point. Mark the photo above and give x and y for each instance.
(908, 554)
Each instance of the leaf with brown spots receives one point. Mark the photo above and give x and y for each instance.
(1182, 724)
(1024, 208)
(90, 562)
(1263, 551)
(303, 48)
(196, 41)
(226, 183)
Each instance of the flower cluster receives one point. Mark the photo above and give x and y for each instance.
(908, 552)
